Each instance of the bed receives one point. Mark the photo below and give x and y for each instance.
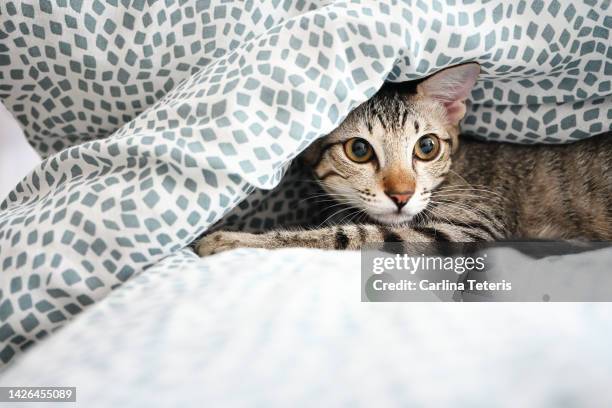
(159, 120)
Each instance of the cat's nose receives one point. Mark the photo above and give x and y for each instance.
(400, 199)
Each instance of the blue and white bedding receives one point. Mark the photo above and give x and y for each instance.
(157, 118)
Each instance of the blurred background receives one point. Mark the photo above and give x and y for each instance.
(17, 158)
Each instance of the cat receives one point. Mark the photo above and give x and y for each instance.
(398, 159)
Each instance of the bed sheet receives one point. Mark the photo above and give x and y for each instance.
(287, 328)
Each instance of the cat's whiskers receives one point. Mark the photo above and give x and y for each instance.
(448, 216)
(470, 189)
(478, 194)
(328, 195)
(337, 204)
(336, 213)
(455, 204)
(323, 198)
(345, 201)
(460, 176)
(421, 217)
(363, 217)
(465, 224)
(467, 198)
(307, 181)
(443, 214)
(344, 218)
(474, 187)
(476, 213)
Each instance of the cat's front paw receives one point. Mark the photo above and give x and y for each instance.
(222, 241)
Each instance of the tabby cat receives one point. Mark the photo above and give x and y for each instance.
(397, 159)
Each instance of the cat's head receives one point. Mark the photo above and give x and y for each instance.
(391, 151)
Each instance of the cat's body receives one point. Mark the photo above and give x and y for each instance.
(398, 160)
(539, 192)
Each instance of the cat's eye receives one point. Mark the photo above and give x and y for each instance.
(358, 150)
(427, 147)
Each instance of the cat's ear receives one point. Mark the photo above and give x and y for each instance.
(451, 87)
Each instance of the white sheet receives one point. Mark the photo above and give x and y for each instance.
(287, 328)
